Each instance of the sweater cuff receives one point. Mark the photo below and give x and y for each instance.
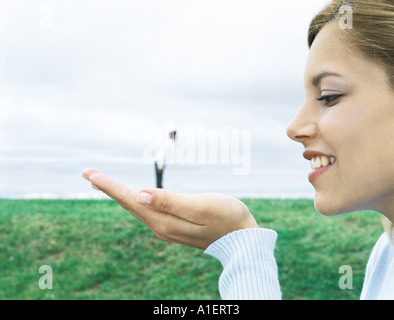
(249, 266)
(242, 242)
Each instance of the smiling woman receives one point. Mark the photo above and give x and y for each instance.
(345, 125)
(357, 116)
(368, 86)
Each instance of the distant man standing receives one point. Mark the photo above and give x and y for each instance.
(163, 156)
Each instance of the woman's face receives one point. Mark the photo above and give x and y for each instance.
(348, 136)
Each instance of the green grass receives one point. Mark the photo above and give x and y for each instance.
(99, 251)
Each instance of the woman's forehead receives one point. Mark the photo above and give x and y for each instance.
(331, 54)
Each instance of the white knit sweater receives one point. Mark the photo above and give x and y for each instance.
(250, 270)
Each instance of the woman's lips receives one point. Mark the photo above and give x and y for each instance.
(317, 172)
(320, 163)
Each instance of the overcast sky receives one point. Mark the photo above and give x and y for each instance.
(93, 83)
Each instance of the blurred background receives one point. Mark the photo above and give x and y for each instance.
(92, 83)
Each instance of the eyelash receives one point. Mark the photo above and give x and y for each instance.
(329, 99)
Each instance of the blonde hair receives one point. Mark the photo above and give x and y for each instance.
(372, 33)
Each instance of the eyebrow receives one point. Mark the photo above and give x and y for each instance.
(318, 78)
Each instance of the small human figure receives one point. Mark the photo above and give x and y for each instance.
(163, 156)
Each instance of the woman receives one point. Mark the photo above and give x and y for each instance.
(346, 125)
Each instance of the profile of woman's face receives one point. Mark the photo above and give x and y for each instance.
(349, 134)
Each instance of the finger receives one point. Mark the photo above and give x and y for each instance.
(121, 193)
(186, 207)
(165, 226)
(88, 172)
(114, 189)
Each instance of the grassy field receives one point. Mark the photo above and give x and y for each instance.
(99, 251)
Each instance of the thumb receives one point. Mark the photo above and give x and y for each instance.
(159, 199)
(187, 207)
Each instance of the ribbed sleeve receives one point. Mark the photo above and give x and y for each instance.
(249, 266)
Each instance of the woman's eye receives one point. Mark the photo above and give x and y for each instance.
(329, 99)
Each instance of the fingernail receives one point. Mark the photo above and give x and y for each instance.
(85, 175)
(144, 198)
(95, 187)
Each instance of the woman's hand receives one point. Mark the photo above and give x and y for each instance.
(192, 220)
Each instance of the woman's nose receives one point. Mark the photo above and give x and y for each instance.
(303, 127)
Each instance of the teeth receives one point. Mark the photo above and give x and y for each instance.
(317, 162)
(324, 161)
(321, 161)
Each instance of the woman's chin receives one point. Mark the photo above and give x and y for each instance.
(328, 207)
